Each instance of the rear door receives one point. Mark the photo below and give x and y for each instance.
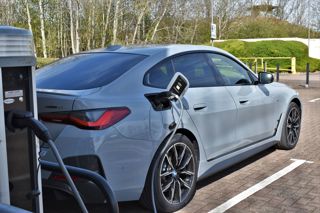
(211, 106)
(251, 100)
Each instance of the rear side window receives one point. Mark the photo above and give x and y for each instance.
(160, 75)
(86, 71)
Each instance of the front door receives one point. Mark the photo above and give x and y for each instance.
(252, 123)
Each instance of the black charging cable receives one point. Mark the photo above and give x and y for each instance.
(171, 97)
(23, 119)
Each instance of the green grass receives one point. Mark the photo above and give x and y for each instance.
(272, 49)
(44, 61)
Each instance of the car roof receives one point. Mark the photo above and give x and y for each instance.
(156, 49)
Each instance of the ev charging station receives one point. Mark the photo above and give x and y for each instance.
(20, 181)
(20, 170)
(20, 131)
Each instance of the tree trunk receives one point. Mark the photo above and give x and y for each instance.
(115, 23)
(143, 28)
(138, 22)
(71, 27)
(158, 22)
(77, 28)
(42, 29)
(29, 25)
(106, 24)
(61, 31)
(194, 31)
(89, 27)
(92, 25)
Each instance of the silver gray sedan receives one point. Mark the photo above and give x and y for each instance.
(94, 103)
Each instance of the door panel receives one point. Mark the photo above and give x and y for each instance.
(214, 113)
(253, 124)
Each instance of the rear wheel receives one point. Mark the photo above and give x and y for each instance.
(291, 128)
(175, 176)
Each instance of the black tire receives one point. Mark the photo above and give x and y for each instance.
(291, 128)
(181, 196)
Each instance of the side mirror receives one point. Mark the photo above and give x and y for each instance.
(265, 78)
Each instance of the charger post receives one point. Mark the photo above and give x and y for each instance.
(20, 180)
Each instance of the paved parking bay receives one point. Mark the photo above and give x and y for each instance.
(295, 191)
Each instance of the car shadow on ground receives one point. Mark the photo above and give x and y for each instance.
(70, 206)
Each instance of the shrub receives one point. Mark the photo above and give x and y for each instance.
(274, 48)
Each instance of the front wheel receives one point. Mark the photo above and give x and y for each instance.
(291, 128)
(175, 177)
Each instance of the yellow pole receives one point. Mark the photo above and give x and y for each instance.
(293, 65)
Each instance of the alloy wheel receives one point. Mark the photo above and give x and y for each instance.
(177, 173)
(293, 126)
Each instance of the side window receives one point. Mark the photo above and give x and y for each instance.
(196, 68)
(231, 72)
(160, 75)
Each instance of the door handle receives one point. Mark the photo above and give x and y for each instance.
(198, 107)
(243, 101)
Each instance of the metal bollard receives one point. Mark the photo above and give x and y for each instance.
(307, 75)
(278, 72)
(250, 66)
(264, 66)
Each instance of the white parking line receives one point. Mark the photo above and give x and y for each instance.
(250, 191)
(314, 100)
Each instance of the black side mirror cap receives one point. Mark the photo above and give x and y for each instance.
(265, 78)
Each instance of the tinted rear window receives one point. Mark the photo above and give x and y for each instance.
(85, 71)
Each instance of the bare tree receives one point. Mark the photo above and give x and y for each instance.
(29, 22)
(105, 19)
(158, 19)
(142, 6)
(77, 46)
(115, 22)
(70, 4)
(226, 11)
(77, 25)
(42, 29)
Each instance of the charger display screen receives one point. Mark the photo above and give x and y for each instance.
(178, 86)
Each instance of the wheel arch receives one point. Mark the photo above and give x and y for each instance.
(184, 132)
(192, 138)
(297, 101)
